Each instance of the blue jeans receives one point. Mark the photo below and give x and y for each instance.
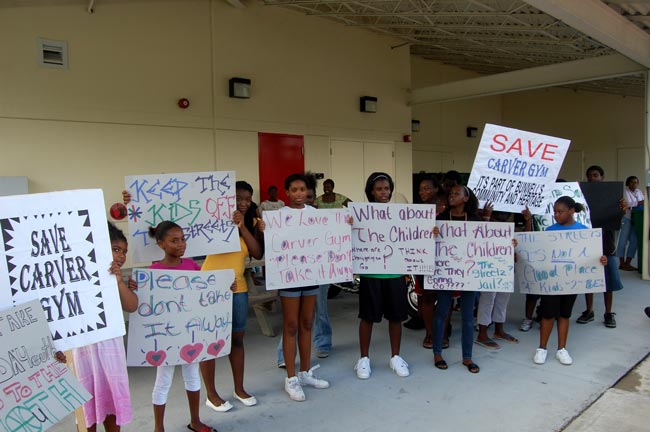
(443, 306)
(625, 236)
(322, 331)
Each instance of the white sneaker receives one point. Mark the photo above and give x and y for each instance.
(400, 367)
(563, 356)
(363, 368)
(526, 325)
(308, 378)
(540, 356)
(292, 386)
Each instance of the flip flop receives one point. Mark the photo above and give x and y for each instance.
(205, 428)
(506, 337)
(427, 343)
(445, 344)
(441, 364)
(488, 344)
(472, 367)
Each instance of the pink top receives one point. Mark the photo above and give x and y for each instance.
(186, 264)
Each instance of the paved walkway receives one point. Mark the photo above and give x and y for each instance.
(509, 394)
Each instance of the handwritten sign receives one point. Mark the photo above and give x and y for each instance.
(182, 317)
(55, 248)
(393, 238)
(473, 256)
(571, 190)
(201, 203)
(560, 262)
(307, 247)
(514, 169)
(36, 391)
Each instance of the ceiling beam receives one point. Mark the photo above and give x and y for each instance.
(602, 23)
(604, 67)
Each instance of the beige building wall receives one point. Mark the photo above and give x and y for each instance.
(114, 111)
(604, 129)
(442, 143)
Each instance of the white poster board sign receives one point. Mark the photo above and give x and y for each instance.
(560, 262)
(473, 256)
(182, 317)
(36, 391)
(201, 203)
(393, 238)
(514, 168)
(55, 248)
(571, 190)
(307, 247)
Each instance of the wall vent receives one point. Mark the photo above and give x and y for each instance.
(52, 53)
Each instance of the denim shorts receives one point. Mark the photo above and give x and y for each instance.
(239, 311)
(299, 292)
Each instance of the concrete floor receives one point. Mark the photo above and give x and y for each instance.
(509, 394)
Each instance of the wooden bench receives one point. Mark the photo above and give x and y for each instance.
(262, 301)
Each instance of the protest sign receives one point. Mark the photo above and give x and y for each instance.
(201, 203)
(55, 248)
(36, 391)
(393, 238)
(182, 317)
(307, 247)
(560, 262)
(603, 199)
(568, 189)
(473, 256)
(514, 169)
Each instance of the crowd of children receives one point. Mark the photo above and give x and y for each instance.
(102, 367)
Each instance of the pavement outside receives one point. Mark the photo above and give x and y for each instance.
(510, 393)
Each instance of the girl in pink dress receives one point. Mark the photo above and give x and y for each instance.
(101, 367)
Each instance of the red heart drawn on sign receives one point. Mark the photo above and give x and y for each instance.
(156, 358)
(215, 347)
(191, 352)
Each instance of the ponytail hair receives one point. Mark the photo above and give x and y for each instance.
(570, 203)
(160, 231)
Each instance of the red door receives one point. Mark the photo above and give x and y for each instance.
(280, 156)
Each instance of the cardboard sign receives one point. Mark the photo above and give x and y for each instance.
(514, 169)
(473, 256)
(571, 190)
(560, 262)
(201, 203)
(393, 238)
(55, 248)
(36, 391)
(307, 247)
(603, 199)
(182, 317)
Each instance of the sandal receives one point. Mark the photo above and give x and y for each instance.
(205, 428)
(445, 343)
(487, 343)
(427, 342)
(472, 367)
(506, 337)
(441, 364)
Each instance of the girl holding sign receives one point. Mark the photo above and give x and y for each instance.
(298, 305)
(171, 239)
(558, 307)
(237, 261)
(101, 367)
(463, 206)
(381, 295)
